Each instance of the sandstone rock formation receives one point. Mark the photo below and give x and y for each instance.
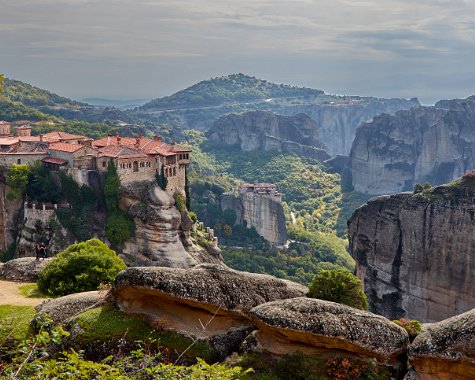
(264, 130)
(264, 212)
(338, 119)
(25, 269)
(63, 308)
(158, 225)
(206, 302)
(317, 327)
(446, 350)
(414, 252)
(424, 144)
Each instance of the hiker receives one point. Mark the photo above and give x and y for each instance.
(43, 251)
(37, 251)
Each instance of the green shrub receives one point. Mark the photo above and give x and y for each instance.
(338, 286)
(193, 216)
(17, 180)
(79, 268)
(412, 326)
(179, 202)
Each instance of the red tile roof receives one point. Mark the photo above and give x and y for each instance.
(117, 151)
(60, 136)
(54, 160)
(146, 145)
(65, 147)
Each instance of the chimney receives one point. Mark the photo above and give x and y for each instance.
(117, 137)
(172, 144)
(137, 143)
(157, 138)
(41, 138)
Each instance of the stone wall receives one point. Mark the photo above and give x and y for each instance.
(30, 159)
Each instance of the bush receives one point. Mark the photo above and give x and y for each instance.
(338, 286)
(412, 326)
(179, 202)
(80, 267)
(17, 180)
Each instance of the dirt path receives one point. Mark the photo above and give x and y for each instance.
(10, 295)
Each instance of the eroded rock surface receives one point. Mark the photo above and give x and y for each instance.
(318, 327)
(207, 301)
(415, 252)
(24, 269)
(423, 144)
(264, 130)
(63, 308)
(160, 232)
(446, 350)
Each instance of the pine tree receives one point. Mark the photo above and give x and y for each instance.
(187, 191)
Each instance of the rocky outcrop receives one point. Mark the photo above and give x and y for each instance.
(414, 252)
(63, 308)
(324, 328)
(445, 350)
(424, 144)
(264, 130)
(25, 269)
(160, 234)
(339, 117)
(263, 212)
(207, 302)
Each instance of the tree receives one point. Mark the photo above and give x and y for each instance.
(418, 188)
(17, 180)
(338, 286)
(187, 191)
(162, 180)
(112, 187)
(229, 217)
(2, 79)
(80, 267)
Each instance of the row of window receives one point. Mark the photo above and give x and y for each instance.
(184, 156)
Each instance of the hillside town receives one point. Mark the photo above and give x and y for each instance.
(136, 159)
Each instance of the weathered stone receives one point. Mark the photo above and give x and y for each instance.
(414, 252)
(264, 130)
(261, 211)
(158, 238)
(424, 144)
(24, 269)
(446, 350)
(206, 302)
(63, 308)
(314, 326)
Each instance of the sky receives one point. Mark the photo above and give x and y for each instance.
(129, 49)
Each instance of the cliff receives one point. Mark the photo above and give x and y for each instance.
(263, 130)
(264, 212)
(424, 144)
(339, 118)
(414, 252)
(161, 231)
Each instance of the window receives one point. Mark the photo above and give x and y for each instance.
(18, 161)
(136, 166)
(142, 164)
(174, 171)
(103, 164)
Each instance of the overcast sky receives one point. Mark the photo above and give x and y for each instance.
(150, 48)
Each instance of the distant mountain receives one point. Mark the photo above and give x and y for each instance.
(229, 88)
(120, 104)
(49, 103)
(336, 117)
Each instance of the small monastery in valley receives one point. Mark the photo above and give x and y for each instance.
(136, 159)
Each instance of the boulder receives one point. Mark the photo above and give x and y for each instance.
(324, 328)
(63, 308)
(205, 302)
(25, 269)
(446, 349)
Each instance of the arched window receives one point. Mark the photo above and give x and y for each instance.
(174, 171)
(103, 164)
(141, 164)
(136, 166)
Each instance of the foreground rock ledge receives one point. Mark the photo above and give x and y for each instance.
(314, 326)
(446, 350)
(203, 301)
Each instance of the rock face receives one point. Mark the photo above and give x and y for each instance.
(63, 308)
(160, 234)
(207, 302)
(25, 269)
(339, 119)
(320, 327)
(264, 212)
(446, 350)
(414, 252)
(424, 144)
(264, 130)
